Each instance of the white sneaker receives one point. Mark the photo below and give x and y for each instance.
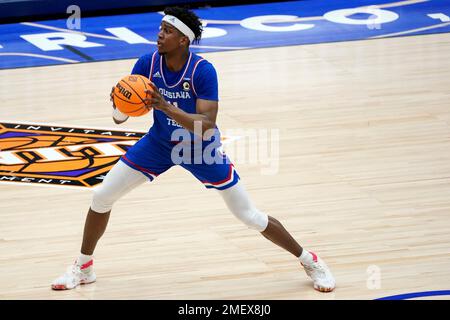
(318, 271)
(73, 277)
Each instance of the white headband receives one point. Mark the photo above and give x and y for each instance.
(177, 23)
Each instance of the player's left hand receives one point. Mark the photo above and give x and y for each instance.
(155, 100)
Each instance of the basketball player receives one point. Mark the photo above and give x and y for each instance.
(185, 94)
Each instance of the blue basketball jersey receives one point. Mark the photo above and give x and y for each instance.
(153, 153)
(197, 79)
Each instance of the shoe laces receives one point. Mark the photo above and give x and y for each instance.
(74, 270)
(315, 268)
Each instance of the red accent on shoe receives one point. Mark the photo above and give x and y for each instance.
(87, 265)
(59, 287)
(314, 256)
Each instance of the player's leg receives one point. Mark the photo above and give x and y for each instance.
(241, 206)
(144, 161)
(120, 180)
(223, 177)
(117, 183)
(239, 203)
(123, 177)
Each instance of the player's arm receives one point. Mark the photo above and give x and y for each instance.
(142, 67)
(206, 111)
(117, 116)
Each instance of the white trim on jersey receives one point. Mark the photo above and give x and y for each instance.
(192, 78)
(151, 67)
(182, 76)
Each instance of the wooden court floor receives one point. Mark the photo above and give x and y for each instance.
(363, 180)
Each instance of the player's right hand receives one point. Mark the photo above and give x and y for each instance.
(116, 111)
(111, 97)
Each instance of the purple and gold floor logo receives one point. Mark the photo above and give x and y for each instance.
(56, 155)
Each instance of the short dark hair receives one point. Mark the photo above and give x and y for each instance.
(189, 18)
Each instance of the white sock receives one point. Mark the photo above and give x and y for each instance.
(83, 259)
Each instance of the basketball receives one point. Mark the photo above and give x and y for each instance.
(129, 95)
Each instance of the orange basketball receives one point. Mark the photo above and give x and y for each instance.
(129, 95)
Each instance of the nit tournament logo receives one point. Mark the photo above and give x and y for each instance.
(62, 156)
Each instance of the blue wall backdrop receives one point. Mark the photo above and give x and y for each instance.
(227, 28)
(30, 8)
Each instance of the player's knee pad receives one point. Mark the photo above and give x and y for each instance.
(240, 205)
(102, 201)
(253, 218)
(118, 182)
